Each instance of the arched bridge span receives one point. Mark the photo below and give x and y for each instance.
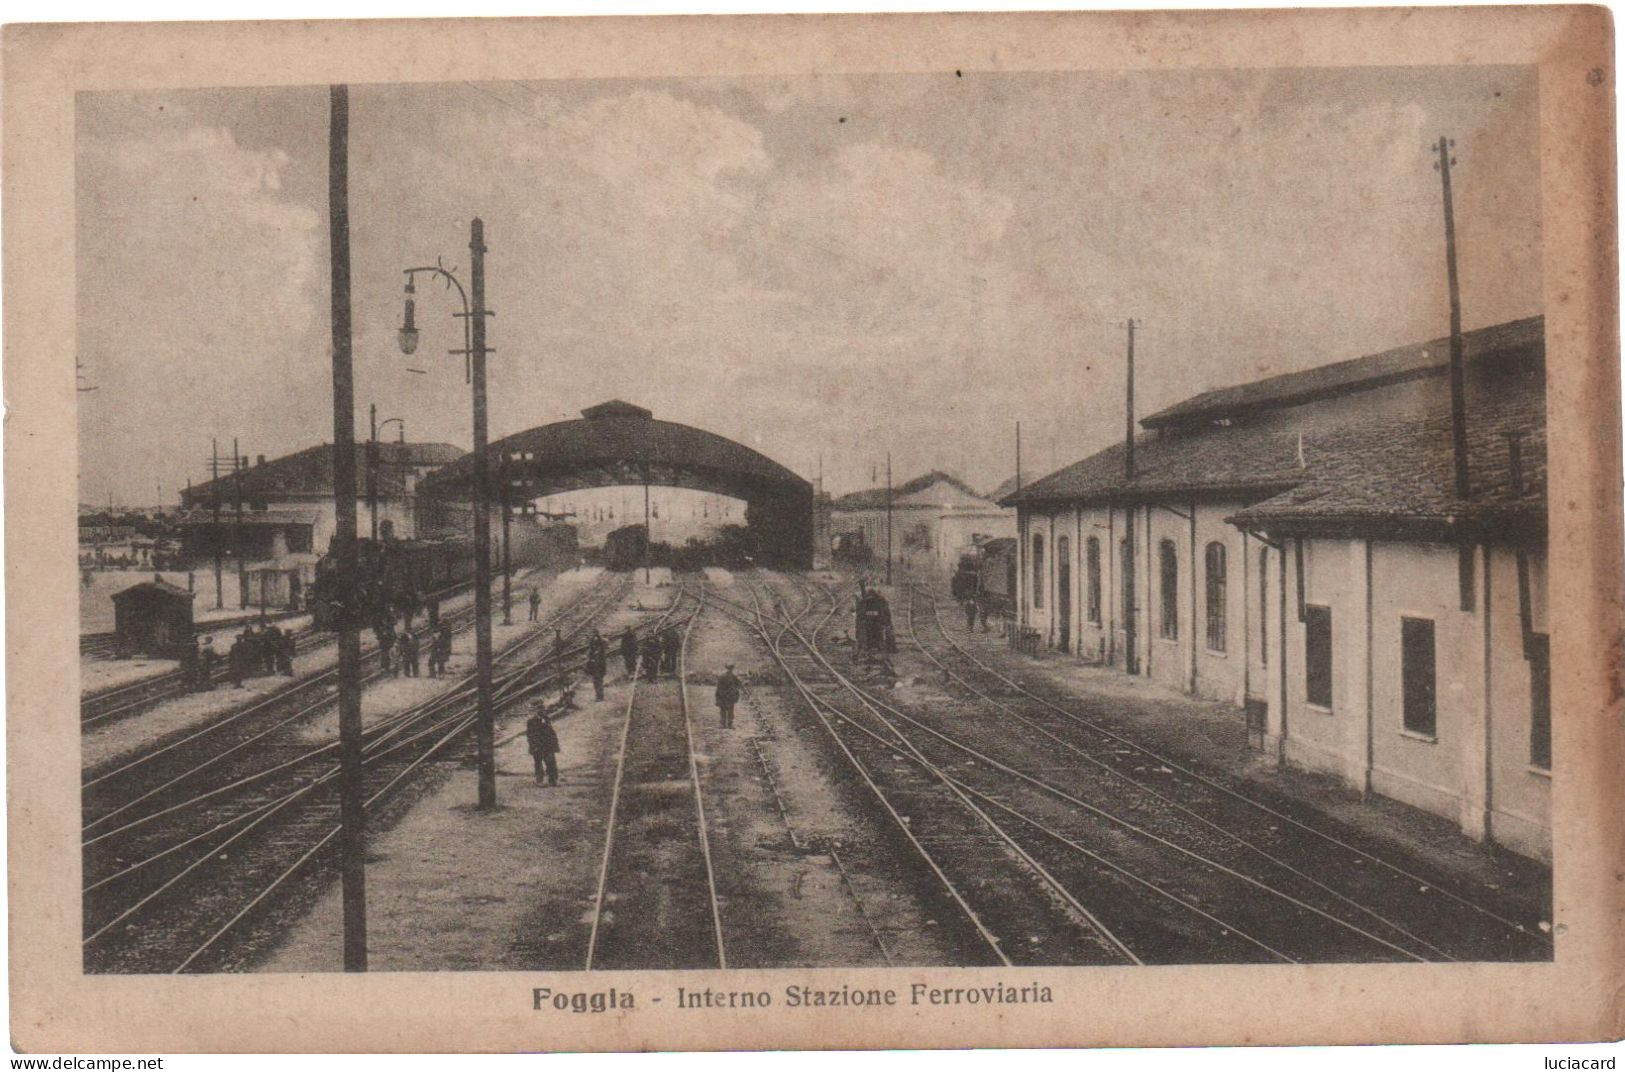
(617, 443)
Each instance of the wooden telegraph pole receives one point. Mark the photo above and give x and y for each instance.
(1131, 656)
(485, 724)
(888, 518)
(352, 803)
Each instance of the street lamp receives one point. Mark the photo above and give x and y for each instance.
(473, 351)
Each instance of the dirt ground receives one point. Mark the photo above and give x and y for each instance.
(805, 878)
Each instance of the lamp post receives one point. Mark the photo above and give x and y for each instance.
(372, 459)
(474, 351)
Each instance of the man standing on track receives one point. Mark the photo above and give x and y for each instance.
(671, 645)
(629, 651)
(544, 745)
(970, 615)
(729, 690)
(597, 666)
(409, 653)
(535, 604)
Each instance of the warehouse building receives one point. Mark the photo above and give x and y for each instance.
(932, 517)
(1295, 546)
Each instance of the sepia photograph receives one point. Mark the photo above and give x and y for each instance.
(967, 516)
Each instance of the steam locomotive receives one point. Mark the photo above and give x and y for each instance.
(987, 574)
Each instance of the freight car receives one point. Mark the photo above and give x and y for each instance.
(392, 575)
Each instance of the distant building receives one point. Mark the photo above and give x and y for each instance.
(932, 517)
(287, 502)
(1295, 545)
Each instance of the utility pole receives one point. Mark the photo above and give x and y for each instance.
(648, 533)
(372, 466)
(507, 591)
(352, 801)
(486, 722)
(219, 564)
(888, 518)
(1131, 656)
(237, 529)
(1458, 391)
(1018, 455)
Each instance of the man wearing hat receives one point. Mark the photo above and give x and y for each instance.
(728, 692)
(544, 745)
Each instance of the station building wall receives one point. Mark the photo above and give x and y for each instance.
(1474, 766)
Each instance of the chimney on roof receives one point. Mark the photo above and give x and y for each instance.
(259, 459)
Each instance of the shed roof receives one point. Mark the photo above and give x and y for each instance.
(618, 433)
(310, 472)
(161, 589)
(1402, 363)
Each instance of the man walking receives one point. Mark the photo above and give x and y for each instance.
(629, 651)
(728, 692)
(597, 667)
(544, 745)
(970, 615)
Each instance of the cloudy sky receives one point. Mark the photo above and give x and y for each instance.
(844, 265)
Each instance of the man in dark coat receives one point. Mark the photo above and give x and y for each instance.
(629, 650)
(597, 667)
(440, 651)
(729, 690)
(189, 664)
(270, 644)
(284, 655)
(544, 745)
(237, 658)
(385, 633)
(409, 653)
(670, 645)
(535, 604)
(649, 656)
(206, 658)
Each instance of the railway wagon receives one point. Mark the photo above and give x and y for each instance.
(392, 575)
(626, 547)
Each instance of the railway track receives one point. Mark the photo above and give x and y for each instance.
(649, 910)
(998, 892)
(165, 892)
(1419, 913)
(123, 701)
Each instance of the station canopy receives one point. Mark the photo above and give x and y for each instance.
(619, 444)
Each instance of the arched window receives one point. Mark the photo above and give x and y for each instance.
(1216, 586)
(1170, 590)
(1091, 567)
(1038, 571)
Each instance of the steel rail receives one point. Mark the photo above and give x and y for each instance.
(1178, 806)
(1219, 787)
(694, 776)
(615, 792)
(1126, 824)
(988, 937)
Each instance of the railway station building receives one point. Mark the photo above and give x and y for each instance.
(287, 502)
(932, 518)
(1295, 546)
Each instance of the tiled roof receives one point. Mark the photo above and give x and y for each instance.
(1343, 377)
(1005, 489)
(1390, 474)
(1404, 472)
(310, 472)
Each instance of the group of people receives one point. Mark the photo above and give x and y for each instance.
(254, 651)
(400, 653)
(657, 653)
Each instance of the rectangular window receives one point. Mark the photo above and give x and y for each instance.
(1417, 671)
(1540, 701)
(1317, 654)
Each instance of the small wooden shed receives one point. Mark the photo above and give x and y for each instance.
(153, 618)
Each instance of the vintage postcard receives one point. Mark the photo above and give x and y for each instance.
(802, 532)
